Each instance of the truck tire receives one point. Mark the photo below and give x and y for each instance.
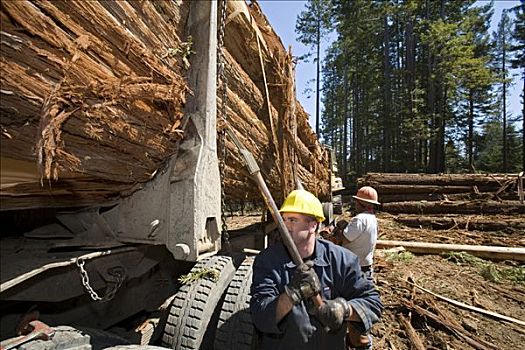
(235, 328)
(194, 305)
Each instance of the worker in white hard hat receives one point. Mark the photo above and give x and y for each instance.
(360, 235)
(281, 303)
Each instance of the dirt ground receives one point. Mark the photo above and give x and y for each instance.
(415, 319)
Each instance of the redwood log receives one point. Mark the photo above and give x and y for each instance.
(445, 207)
(243, 118)
(427, 189)
(249, 36)
(405, 197)
(489, 252)
(97, 88)
(478, 223)
(437, 179)
(81, 86)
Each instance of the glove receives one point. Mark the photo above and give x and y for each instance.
(341, 224)
(304, 284)
(333, 313)
(333, 233)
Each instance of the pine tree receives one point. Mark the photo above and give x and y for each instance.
(334, 118)
(473, 98)
(489, 148)
(408, 85)
(311, 26)
(502, 39)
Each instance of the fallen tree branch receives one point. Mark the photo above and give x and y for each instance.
(469, 307)
(456, 330)
(411, 333)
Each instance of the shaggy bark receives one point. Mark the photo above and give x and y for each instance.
(462, 222)
(93, 93)
(444, 207)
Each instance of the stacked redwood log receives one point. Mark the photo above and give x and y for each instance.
(446, 193)
(92, 98)
(262, 108)
(93, 95)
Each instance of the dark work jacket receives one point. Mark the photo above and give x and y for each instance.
(340, 276)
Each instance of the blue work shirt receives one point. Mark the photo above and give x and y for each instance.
(340, 276)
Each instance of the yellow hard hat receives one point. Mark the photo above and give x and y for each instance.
(303, 202)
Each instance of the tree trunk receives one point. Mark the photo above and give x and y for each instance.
(425, 196)
(317, 81)
(346, 119)
(495, 180)
(475, 207)
(496, 253)
(410, 74)
(523, 120)
(470, 136)
(462, 222)
(387, 99)
(427, 189)
(504, 107)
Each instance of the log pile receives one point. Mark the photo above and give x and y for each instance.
(478, 223)
(263, 110)
(93, 95)
(446, 193)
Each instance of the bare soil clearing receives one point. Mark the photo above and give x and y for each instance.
(458, 280)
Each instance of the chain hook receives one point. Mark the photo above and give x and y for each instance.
(117, 272)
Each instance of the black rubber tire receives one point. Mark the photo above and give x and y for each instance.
(235, 328)
(194, 305)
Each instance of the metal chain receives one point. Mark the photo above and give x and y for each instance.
(221, 78)
(85, 281)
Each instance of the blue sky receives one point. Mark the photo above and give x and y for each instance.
(282, 15)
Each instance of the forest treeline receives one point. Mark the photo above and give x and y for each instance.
(417, 85)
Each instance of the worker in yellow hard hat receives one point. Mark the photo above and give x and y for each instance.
(302, 213)
(281, 305)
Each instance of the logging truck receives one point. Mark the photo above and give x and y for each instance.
(115, 172)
